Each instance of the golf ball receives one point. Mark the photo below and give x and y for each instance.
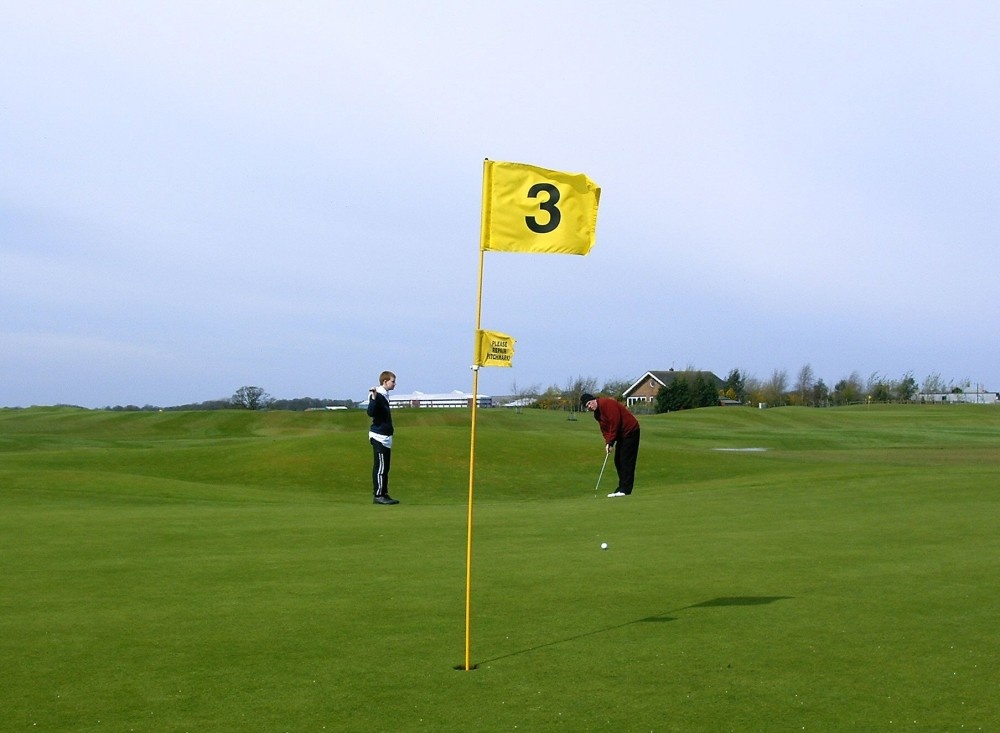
(604, 545)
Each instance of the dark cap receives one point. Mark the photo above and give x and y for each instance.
(585, 398)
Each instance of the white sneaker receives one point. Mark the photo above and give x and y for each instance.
(613, 494)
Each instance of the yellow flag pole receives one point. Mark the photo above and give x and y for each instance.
(475, 406)
(472, 483)
(468, 544)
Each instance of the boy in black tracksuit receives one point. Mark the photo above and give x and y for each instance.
(380, 437)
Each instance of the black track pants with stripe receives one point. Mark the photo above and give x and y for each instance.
(380, 468)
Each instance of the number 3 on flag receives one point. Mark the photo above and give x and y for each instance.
(531, 209)
(548, 206)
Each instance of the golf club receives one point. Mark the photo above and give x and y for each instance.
(601, 474)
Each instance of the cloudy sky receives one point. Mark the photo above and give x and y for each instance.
(197, 196)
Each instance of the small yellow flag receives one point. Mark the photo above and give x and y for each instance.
(494, 349)
(531, 209)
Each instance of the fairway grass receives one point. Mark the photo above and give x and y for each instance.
(226, 571)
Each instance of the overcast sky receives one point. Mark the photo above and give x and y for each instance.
(197, 196)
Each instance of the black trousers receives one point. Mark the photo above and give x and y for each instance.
(380, 468)
(626, 454)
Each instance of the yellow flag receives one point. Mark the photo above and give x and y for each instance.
(531, 209)
(494, 349)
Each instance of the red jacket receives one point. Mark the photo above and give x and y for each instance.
(615, 419)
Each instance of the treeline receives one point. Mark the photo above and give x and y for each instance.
(806, 389)
(299, 404)
(245, 398)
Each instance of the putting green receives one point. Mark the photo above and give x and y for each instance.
(775, 570)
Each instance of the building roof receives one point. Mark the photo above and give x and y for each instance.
(665, 378)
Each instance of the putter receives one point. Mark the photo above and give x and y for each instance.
(601, 474)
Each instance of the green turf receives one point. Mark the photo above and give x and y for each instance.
(226, 571)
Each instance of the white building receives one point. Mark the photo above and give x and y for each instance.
(448, 399)
(978, 396)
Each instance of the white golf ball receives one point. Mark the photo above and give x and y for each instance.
(604, 545)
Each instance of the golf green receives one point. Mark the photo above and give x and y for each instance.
(783, 569)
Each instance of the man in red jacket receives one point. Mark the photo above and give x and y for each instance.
(621, 432)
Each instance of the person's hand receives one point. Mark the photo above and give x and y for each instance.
(608, 447)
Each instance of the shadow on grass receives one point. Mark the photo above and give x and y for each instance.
(723, 601)
(738, 601)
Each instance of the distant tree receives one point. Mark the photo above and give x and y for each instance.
(933, 384)
(553, 398)
(820, 393)
(776, 387)
(848, 390)
(250, 398)
(880, 391)
(704, 394)
(906, 388)
(804, 384)
(616, 388)
(754, 390)
(735, 387)
(874, 380)
(674, 396)
(576, 387)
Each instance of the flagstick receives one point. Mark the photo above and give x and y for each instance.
(468, 544)
(472, 451)
(579, 241)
